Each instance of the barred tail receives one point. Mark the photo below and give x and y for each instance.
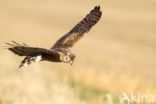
(29, 59)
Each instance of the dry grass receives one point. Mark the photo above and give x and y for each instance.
(117, 55)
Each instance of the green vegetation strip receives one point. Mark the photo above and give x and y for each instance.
(90, 93)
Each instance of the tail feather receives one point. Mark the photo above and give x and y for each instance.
(29, 59)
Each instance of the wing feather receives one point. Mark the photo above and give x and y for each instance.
(25, 50)
(68, 40)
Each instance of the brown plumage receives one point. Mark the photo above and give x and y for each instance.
(61, 50)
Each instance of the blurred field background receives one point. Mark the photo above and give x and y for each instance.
(118, 55)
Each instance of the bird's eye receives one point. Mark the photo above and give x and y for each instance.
(66, 58)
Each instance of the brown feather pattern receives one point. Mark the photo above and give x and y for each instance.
(25, 50)
(68, 40)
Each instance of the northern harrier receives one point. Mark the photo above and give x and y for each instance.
(61, 50)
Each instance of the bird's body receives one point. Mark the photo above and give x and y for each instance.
(61, 50)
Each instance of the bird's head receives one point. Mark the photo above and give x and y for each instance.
(68, 59)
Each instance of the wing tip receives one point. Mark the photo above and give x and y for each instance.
(97, 7)
(14, 44)
(97, 11)
(15, 47)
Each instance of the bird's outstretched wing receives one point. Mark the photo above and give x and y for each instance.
(68, 40)
(25, 50)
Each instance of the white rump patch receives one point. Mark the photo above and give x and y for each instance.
(25, 64)
(30, 60)
(38, 58)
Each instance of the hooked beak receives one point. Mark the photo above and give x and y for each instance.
(71, 62)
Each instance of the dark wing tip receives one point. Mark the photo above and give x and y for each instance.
(96, 14)
(96, 11)
(18, 49)
(97, 7)
(14, 44)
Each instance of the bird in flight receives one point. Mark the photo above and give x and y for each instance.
(61, 50)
